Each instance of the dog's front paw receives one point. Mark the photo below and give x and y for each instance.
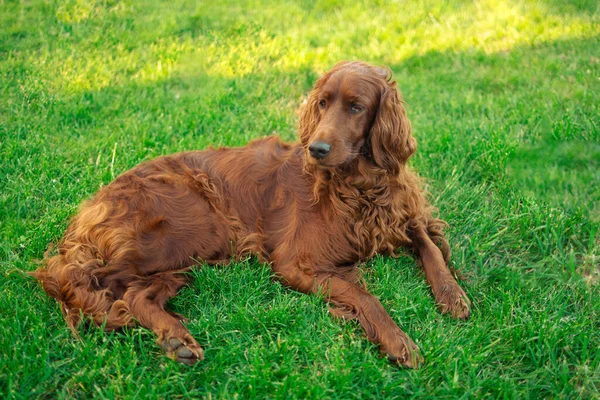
(402, 351)
(451, 299)
(184, 350)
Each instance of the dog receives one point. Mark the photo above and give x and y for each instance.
(312, 209)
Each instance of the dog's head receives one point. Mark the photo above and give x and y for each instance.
(355, 111)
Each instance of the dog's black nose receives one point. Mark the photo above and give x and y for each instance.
(319, 150)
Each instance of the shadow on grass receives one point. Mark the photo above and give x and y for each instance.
(572, 7)
(489, 114)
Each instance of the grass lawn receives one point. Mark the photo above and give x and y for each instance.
(504, 98)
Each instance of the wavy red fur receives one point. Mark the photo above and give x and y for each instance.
(123, 255)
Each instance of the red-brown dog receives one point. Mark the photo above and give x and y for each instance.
(312, 209)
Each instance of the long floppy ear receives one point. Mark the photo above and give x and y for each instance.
(390, 140)
(310, 116)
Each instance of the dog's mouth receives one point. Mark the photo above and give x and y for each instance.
(332, 161)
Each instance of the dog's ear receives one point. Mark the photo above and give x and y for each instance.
(390, 141)
(309, 115)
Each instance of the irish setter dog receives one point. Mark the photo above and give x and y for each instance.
(312, 209)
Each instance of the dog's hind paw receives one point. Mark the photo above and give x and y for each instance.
(184, 350)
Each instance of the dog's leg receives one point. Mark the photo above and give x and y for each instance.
(354, 302)
(448, 294)
(146, 299)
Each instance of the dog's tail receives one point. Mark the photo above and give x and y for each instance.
(69, 277)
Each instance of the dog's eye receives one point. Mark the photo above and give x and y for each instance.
(322, 103)
(355, 109)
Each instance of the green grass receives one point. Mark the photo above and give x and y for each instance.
(504, 100)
